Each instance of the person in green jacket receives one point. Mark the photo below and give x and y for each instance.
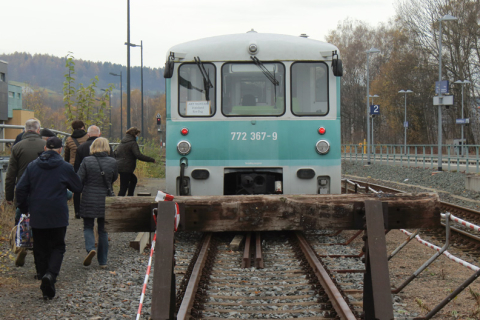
(24, 152)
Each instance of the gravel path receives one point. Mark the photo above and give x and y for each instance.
(83, 292)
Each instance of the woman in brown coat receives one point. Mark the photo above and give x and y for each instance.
(78, 137)
(127, 154)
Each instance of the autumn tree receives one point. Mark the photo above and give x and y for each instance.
(81, 103)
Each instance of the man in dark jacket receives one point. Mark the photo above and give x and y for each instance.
(78, 137)
(127, 154)
(42, 192)
(84, 149)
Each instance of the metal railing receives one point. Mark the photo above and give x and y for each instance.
(14, 126)
(454, 157)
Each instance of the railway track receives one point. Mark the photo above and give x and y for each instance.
(277, 275)
(462, 237)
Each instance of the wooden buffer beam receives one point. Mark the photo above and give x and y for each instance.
(275, 212)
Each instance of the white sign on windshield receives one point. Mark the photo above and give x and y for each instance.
(198, 108)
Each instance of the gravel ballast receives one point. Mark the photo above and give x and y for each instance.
(450, 186)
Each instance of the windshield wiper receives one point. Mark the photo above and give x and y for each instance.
(265, 71)
(207, 84)
(187, 84)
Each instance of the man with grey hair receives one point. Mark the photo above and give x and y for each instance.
(83, 150)
(24, 152)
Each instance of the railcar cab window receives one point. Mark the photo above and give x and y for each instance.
(196, 92)
(252, 90)
(309, 89)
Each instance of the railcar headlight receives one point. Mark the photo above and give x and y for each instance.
(322, 147)
(184, 147)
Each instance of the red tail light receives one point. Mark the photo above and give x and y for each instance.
(321, 130)
(184, 131)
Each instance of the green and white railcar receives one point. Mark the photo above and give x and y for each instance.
(253, 113)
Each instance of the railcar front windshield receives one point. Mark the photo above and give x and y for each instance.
(309, 89)
(196, 97)
(249, 90)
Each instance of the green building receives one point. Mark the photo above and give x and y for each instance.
(14, 99)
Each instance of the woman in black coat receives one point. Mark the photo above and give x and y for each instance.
(95, 190)
(127, 154)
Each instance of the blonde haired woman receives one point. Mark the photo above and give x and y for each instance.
(98, 172)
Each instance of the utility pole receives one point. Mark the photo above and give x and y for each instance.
(128, 65)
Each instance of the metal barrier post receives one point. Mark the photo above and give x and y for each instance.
(400, 247)
(377, 300)
(433, 258)
(163, 292)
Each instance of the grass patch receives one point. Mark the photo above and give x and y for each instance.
(7, 219)
(151, 170)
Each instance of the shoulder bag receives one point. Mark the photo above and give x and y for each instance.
(110, 192)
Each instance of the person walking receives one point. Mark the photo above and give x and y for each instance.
(83, 150)
(79, 136)
(42, 192)
(127, 154)
(24, 152)
(97, 172)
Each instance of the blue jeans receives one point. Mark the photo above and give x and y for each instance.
(102, 250)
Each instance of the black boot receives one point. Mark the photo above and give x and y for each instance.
(48, 286)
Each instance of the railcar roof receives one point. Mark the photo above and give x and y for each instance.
(234, 47)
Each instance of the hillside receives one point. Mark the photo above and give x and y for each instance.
(47, 71)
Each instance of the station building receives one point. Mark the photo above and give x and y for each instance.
(11, 111)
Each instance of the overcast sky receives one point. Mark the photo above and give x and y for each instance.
(96, 30)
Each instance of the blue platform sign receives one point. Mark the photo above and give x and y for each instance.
(441, 87)
(405, 124)
(463, 121)
(374, 109)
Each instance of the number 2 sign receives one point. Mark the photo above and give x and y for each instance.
(374, 109)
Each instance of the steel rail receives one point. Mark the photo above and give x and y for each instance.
(190, 292)
(258, 252)
(246, 252)
(444, 205)
(336, 298)
(464, 233)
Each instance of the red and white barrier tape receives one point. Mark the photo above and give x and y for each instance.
(446, 253)
(146, 276)
(463, 222)
(164, 197)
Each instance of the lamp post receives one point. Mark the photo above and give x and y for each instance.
(463, 124)
(110, 107)
(446, 17)
(405, 121)
(121, 101)
(128, 64)
(372, 50)
(373, 116)
(141, 76)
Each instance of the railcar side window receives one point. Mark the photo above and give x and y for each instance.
(195, 97)
(309, 88)
(249, 91)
